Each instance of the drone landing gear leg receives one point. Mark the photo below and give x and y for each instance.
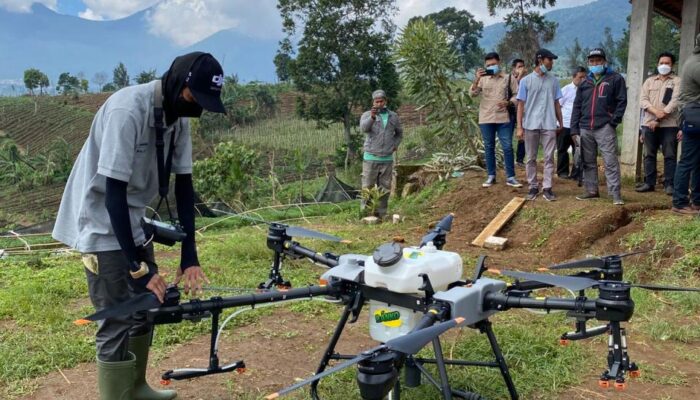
(485, 327)
(353, 307)
(275, 278)
(214, 367)
(442, 370)
(618, 360)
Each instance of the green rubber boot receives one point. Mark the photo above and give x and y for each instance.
(115, 380)
(139, 345)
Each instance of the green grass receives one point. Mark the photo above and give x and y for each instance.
(40, 297)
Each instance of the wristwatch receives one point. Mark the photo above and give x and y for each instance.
(138, 270)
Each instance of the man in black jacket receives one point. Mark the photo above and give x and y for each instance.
(600, 104)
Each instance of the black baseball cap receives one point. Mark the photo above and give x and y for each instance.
(597, 52)
(205, 80)
(544, 53)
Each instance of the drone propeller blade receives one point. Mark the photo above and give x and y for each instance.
(442, 227)
(141, 302)
(297, 231)
(573, 283)
(591, 263)
(323, 374)
(666, 288)
(632, 253)
(412, 343)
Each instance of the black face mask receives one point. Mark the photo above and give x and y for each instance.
(184, 108)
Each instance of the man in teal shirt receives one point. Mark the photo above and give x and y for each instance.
(384, 133)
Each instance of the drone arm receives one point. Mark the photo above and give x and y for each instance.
(218, 303)
(298, 249)
(502, 302)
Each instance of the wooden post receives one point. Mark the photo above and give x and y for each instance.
(640, 38)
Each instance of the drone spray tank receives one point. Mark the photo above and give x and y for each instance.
(399, 270)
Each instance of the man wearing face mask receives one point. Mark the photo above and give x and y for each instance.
(600, 104)
(539, 120)
(115, 177)
(498, 93)
(659, 101)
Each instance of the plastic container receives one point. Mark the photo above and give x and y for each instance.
(442, 267)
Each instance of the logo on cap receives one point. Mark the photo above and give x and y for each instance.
(218, 80)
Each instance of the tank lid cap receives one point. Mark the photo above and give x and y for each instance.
(387, 254)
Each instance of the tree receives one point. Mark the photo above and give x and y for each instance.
(120, 77)
(343, 54)
(68, 84)
(426, 61)
(146, 76)
(110, 87)
(33, 78)
(665, 36)
(463, 33)
(576, 56)
(84, 85)
(527, 30)
(100, 79)
(282, 66)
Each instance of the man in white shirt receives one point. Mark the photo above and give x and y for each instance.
(565, 140)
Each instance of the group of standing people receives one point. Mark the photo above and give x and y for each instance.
(582, 118)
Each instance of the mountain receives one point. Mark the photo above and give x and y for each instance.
(586, 22)
(56, 43)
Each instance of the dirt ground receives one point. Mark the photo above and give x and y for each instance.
(293, 346)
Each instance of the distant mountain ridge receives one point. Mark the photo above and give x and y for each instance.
(586, 22)
(57, 43)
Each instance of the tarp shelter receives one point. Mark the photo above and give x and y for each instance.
(336, 191)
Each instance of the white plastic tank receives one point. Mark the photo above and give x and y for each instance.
(403, 276)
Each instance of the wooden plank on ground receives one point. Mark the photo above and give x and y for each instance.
(501, 219)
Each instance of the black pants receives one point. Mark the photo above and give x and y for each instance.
(666, 139)
(688, 172)
(564, 142)
(109, 284)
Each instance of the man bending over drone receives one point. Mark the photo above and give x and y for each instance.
(120, 170)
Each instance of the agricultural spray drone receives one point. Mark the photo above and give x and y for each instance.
(414, 295)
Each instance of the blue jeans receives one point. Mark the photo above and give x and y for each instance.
(505, 136)
(688, 165)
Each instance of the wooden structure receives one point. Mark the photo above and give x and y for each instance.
(501, 219)
(685, 13)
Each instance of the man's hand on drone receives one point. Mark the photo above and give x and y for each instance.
(194, 277)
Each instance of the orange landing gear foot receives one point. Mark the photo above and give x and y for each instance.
(620, 386)
(564, 342)
(604, 384)
(165, 382)
(635, 374)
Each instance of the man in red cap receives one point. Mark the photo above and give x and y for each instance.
(120, 170)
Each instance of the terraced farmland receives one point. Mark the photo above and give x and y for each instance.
(35, 123)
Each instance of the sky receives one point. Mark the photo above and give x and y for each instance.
(259, 19)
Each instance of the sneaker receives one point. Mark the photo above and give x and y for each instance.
(684, 211)
(669, 190)
(548, 194)
(588, 196)
(532, 194)
(512, 182)
(490, 181)
(617, 200)
(520, 165)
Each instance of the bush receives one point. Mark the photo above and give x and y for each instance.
(229, 175)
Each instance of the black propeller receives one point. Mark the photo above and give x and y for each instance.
(141, 302)
(410, 343)
(572, 283)
(576, 283)
(442, 227)
(594, 262)
(291, 230)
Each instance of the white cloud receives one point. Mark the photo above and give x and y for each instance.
(113, 9)
(25, 6)
(91, 15)
(186, 22)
